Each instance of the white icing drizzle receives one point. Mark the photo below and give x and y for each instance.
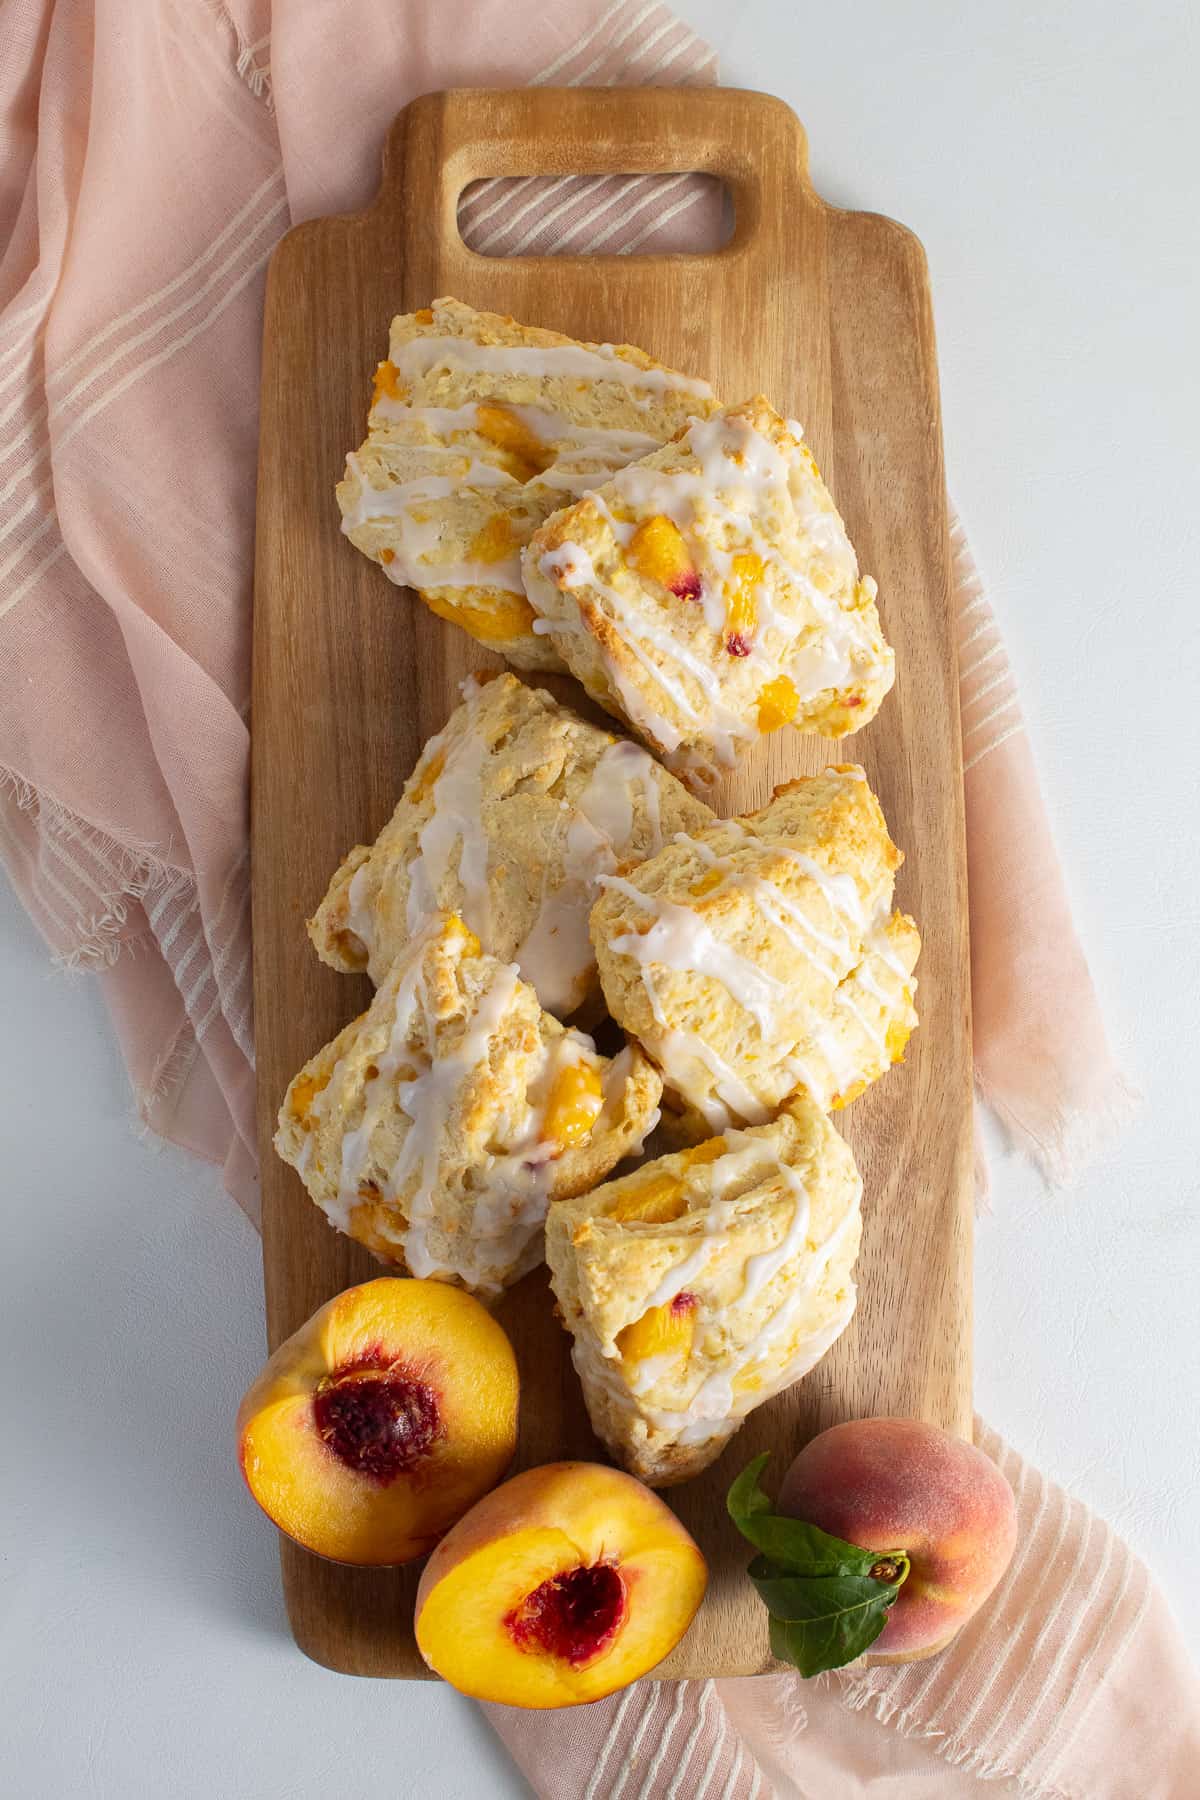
(427, 1101)
(723, 1173)
(456, 803)
(761, 1269)
(398, 497)
(714, 1404)
(433, 577)
(679, 939)
(585, 455)
(557, 954)
(715, 1398)
(682, 1052)
(609, 443)
(777, 906)
(360, 920)
(733, 459)
(509, 1201)
(874, 1030)
(600, 362)
(735, 477)
(822, 1061)
(570, 566)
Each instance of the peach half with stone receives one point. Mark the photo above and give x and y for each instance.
(564, 1584)
(374, 1427)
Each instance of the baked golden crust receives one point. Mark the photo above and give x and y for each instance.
(709, 594)
(479, 429)
(760, 957)
(512, 813)
(436, 1127)
(706, 1283)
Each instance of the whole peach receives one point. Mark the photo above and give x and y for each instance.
(900, 1484)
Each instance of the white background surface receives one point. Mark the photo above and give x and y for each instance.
(1047, 157)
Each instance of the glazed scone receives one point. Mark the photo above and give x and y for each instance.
(436, 1127)
(709, 594)
(706, 1283)
(760, 957)
(511, 815)
(479, 429)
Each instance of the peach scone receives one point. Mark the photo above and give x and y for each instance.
(514, 811)
(478, 430)
(706, 1283)
(709, 594)
(760, 957)
(436, 1127)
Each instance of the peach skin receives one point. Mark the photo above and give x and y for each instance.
(377, 1424)
(900, 1484)
(559, 1587)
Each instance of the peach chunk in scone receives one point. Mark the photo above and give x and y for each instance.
(379, 1422)
(563, 1585)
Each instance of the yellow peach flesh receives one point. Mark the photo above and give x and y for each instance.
(778, 704)
(741, 612)
(409, 1357)
(658, 553)
(545, 1526)
(666, 1330)
(492, 621)
(575, 1103)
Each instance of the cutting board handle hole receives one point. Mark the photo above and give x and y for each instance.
(596, 215)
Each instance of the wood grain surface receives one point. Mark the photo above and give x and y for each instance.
(828, 314)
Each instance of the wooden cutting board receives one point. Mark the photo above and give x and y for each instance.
(828, 314)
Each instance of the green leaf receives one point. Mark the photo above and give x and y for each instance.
(802, 1549)
(794, 1598)
(746, 1496)
(813, 1645)
(826, 1606)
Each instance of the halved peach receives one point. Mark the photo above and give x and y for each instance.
(564, 1584)
(377, 1424)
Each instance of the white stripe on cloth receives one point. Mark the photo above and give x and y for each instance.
(610, 1743)
(720, 1735)
(560, 62)
(31, 580)
(216, 279)
(683, 1692)
(654, 1702)
(994, 743)
(206, 256)
(139, 373)
(1114, 1658)
(695, 1740)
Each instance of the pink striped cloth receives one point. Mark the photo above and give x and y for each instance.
(150, 158)
(1072, 1684)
